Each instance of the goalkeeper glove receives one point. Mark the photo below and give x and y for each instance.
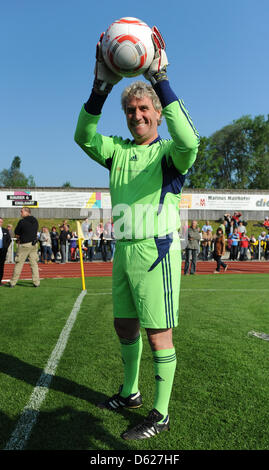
(105, 79)
(157, 70)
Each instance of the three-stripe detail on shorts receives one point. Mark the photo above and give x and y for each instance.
(168, 291)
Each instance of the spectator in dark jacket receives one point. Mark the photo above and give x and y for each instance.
(5, 240)
(193, 247)
(54, 242)
(26, 234)
(219, 250)
(65, 236)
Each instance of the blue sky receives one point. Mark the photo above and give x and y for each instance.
(218, 54)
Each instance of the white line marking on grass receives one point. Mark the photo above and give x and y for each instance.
(259, 335)
(101, 293)
(30, 413)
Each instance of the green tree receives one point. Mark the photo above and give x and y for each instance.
(235, 157)
(260, 150)
(14, 177)
(230, 151)
(67, 184)
(199, 175)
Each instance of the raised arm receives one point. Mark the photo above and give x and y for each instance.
(183, 133)
(100, 148)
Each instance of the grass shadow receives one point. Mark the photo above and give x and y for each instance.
(65, 427)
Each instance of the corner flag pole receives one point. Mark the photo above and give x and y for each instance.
(80, 238)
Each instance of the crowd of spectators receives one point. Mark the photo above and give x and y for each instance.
(60, 244)
(239, 245)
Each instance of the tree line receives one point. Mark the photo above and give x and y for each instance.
(13, 177)
(234, 157)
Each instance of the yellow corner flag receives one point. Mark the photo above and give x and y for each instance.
(80, 238)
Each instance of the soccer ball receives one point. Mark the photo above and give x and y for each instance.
(127, 47)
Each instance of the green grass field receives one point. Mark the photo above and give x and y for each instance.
(221, 388)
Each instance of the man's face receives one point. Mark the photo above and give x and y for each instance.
(1, 222)
(142, 120)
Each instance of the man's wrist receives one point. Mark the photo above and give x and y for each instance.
(165, 93)
(95, 103)
(158, 77)
(101, 87)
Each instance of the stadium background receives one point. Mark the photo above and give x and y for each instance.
(51, 205)
(94, 203)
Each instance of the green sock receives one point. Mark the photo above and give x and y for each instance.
(131, 351)
(164, 367)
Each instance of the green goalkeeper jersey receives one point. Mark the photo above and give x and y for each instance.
(145, 180)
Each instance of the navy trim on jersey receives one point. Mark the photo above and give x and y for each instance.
(109, 161)
(155, 140)
(171, 290)
(168, 292)
(163, 245)
(151, 143)
(167, 96)
(173, 181)
(165, 303)
(186, 114)
(165, 93)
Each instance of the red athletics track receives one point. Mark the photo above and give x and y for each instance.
(95, 269)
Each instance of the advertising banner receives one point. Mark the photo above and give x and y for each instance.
(101, 200)
(229, 201)
(55, 199)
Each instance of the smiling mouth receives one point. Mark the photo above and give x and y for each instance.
(138, 125)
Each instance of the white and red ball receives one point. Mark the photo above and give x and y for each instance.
(127, 47)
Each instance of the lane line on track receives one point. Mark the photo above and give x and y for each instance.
(30, 413)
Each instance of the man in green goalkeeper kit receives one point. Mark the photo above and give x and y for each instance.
(146, 179)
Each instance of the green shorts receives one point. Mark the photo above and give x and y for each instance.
(146, 281)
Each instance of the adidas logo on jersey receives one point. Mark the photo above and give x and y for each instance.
(133, 158)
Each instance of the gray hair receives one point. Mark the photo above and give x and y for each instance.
(138, 90)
